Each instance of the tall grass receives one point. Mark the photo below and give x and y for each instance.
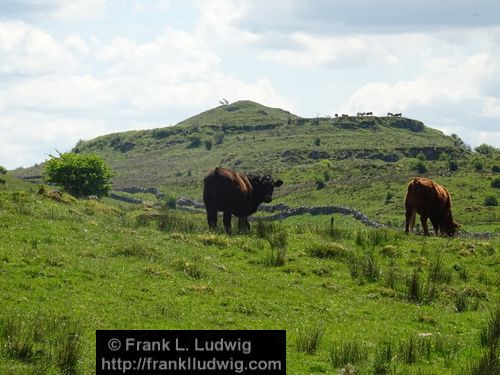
(17, 339)
(43, 343)
(489, 362)
(309, 339)
(438, 273)
(352, 352)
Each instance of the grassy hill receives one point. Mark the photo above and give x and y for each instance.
(360, 162)
(378, 299)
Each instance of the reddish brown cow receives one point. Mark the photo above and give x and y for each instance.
(235, 194)
(432, 201)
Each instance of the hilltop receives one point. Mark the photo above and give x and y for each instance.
(360, 162)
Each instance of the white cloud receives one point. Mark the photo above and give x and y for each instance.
(54, 109)
(58, 93)
(441, 81)
(26, 49)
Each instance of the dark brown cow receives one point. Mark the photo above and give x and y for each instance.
(432, 201)
(235, 194)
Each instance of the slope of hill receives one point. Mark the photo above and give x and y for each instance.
(360, 162)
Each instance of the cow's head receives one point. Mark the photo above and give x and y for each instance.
(263, 187)
(449, 227)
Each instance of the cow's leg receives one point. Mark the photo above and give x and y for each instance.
(435, 224)
(423, 220)
(212, 219)
(410, 220)
(243, 224)
(227, 221)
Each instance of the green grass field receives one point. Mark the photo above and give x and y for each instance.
(368, 301)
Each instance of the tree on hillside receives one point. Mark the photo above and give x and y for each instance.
(80, 175)
(485, 149)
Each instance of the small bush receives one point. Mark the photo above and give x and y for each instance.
(347, 352)
(495, 183)
(309, 339)
(478, 165)
(388, 197)
(320, 183)
(317, 141)
(420, 167)
(170, 202)
(485, 149)
(208, 144)
(195, 142)
(490, 201)
(3, 170)
(219, 138)
(80, 175)
(495, 169)
(453, 165)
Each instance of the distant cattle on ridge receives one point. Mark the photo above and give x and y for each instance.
(430, 201)
(235, 194)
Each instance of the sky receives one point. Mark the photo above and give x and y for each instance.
(77, 69)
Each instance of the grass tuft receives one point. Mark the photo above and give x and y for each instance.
(351, 352)
(309, 339)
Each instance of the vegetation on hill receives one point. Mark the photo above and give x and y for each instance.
(359, 162)
(80, 175)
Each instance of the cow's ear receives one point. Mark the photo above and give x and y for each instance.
(278, 183)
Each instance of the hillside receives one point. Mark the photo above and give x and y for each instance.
(380, 300)
(360, 162)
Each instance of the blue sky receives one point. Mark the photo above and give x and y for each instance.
(77, 69)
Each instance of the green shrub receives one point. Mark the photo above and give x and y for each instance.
(490, 201)
(208, 144)
(320, 183)
(3, 170)
(478, 165)
(195, 142)
(485, 149)
(452, 165)
(80, 175)
(420, 167)
(495, 169)
(495, 183)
